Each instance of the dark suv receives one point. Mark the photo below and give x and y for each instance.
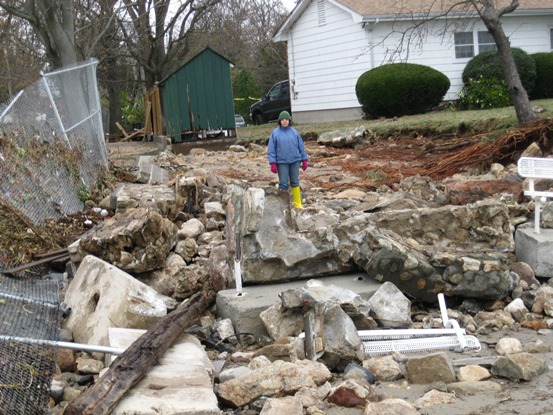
(276, 100)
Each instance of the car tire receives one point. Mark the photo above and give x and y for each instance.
(258, 119)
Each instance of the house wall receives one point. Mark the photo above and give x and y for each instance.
(325, 60)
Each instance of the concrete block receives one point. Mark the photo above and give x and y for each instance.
(536, 249)
(102, 296)
(244, 310)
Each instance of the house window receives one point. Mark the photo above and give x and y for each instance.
(466, 47)
(485, 42)
(321, 12)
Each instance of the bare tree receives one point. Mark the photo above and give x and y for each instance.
(53, 22)
(156, 32)
(242, 31)
(450, 11)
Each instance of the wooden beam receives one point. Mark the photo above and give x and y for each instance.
(132, 365)
(125, 134)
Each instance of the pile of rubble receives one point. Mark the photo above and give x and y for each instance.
(168, 241)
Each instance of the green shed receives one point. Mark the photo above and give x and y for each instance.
(197, 98)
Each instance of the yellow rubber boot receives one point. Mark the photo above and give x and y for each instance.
(296, 195)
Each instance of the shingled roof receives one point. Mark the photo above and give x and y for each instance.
(409, 7)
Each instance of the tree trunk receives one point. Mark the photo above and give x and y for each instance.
(131, 366)
(519, 97)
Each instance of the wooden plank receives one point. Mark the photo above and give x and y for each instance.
(125, 134)
(148, 115)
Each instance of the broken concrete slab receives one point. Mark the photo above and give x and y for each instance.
(180, 383)
(535, 250)
(102, 296)
(243, 310)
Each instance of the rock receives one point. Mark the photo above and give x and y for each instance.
(519, 366)
(470, 387)
(508, 345)
(385, 368)
(434, 397)
(517, 309)
(390, 307)
(391, 406)
(355, 371)
(89, 366)
(138, 240)
(473, 373)
(280, 378)
(434, 367)
(288, 405)
(341, 343)
(351, 393)
(543, 302)
(66, 360)
(191, 229)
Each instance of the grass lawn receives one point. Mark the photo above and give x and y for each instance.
(443, 121)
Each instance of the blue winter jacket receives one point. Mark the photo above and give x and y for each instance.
(286, 146)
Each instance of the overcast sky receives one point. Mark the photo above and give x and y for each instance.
(289, 4)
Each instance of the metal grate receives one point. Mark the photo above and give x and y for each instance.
(29, 311)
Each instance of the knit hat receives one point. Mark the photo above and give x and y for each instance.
(284, 115)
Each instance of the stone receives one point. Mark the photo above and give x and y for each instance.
(390, 307)
(434, 397)
(519, 366)
(517, 309)
(192, 228)
(391, 406)
(280, 378)
(288, 405)
(385, 368)
(431, 368)
(470, 387)
(351, 393)
(89, 366)
(508, 345)
(473, 373)
(138, 240)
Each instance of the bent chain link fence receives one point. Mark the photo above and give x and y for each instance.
(52, 153)
(52, 147)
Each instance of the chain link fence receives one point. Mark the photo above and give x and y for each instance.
(52, 146)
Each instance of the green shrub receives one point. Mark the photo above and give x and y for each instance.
(482, 93)
(400, 89)
(487, 65)
(543, 88)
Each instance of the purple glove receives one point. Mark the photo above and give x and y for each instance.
(274, 168)
(304, 165)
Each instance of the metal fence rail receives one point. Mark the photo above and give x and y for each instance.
(52, 147)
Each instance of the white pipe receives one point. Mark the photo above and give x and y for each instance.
(238, 277)
(64, 345)
(443, 310)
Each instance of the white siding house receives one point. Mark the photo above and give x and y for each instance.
(332, 42)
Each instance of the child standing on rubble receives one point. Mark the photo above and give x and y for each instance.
(286, 153)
